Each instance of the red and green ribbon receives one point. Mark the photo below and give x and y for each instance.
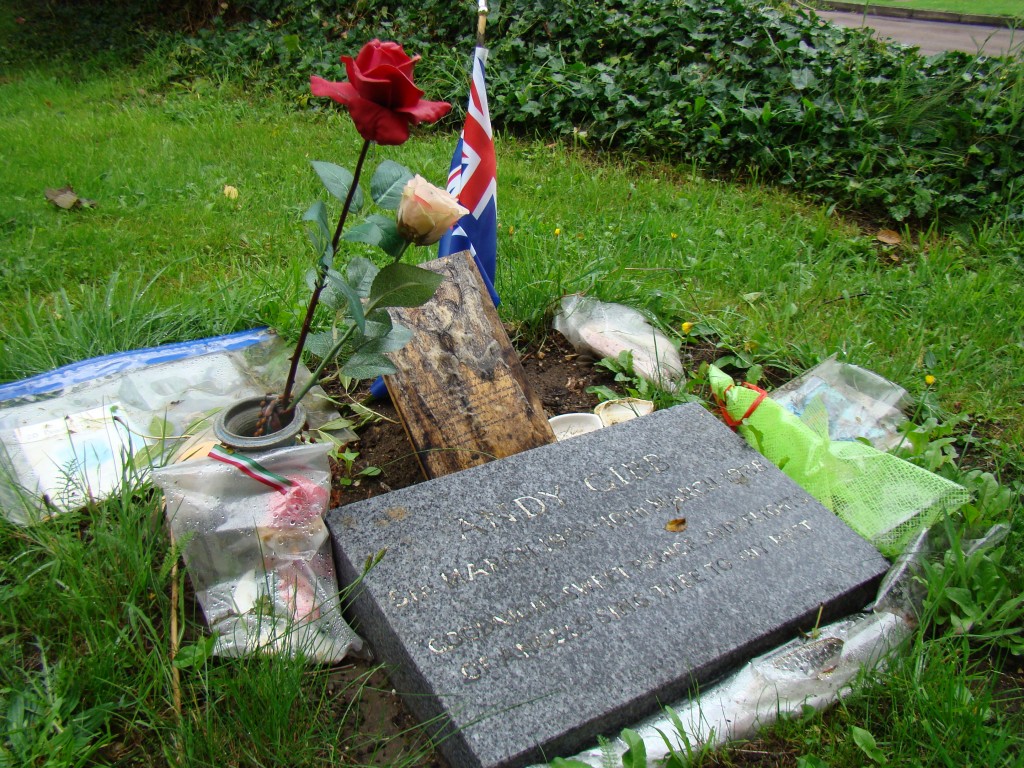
(252, 468)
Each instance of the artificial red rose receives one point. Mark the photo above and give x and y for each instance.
(380, 94)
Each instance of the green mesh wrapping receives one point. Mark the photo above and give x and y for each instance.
(880, 496)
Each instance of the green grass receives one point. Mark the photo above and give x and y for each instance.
(1012, 8)
(84, 605)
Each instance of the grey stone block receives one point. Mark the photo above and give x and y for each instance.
(526, 606)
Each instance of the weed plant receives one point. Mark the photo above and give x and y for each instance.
(85, 613)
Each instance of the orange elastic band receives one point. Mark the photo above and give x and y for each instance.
(734, 423)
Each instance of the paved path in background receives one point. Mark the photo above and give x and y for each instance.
(935, 36)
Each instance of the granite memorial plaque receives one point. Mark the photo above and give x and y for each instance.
(531, 604)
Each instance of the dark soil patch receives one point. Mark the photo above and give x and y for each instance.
(554, 370)
(558, 375)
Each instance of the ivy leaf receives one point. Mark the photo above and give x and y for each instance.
(403, 285)
(338, 181)
(803, 79)
(387, 184)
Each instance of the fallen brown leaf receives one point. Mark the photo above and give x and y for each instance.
(66, 198)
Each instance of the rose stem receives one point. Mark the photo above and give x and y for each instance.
(321, 280)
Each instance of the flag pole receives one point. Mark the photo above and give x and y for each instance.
(481, 22)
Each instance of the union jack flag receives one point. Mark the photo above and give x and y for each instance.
(473, 180)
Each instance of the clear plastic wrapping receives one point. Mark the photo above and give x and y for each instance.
(607, 330)
(257, 550)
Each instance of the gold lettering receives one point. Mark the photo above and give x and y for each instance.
(624, 480)
(586, 482)
(453, 579)
(657, 463)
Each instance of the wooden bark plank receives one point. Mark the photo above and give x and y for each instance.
(460, 389)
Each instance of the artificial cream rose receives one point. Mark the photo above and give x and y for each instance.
(425, 212)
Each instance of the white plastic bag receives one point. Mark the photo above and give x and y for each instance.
(606, 330)
(257, 550)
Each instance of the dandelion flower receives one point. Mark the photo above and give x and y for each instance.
(558, 231)
(687, 327)
(674, 235)
(929, 379)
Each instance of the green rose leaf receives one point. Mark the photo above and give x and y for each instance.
(330, 297)
(378, 323)
(317, 227)
(403, 285)
(378, 230)
(310, 278)
(355, 301)
(338, 181)
(392, 341)
(361, 272)
(320, 344)
(368, 232)
(392, 243)
(367, 365)
(387, 184)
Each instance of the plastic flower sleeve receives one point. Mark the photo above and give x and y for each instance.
(882, 497)
(257, 550)
(607, 330)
